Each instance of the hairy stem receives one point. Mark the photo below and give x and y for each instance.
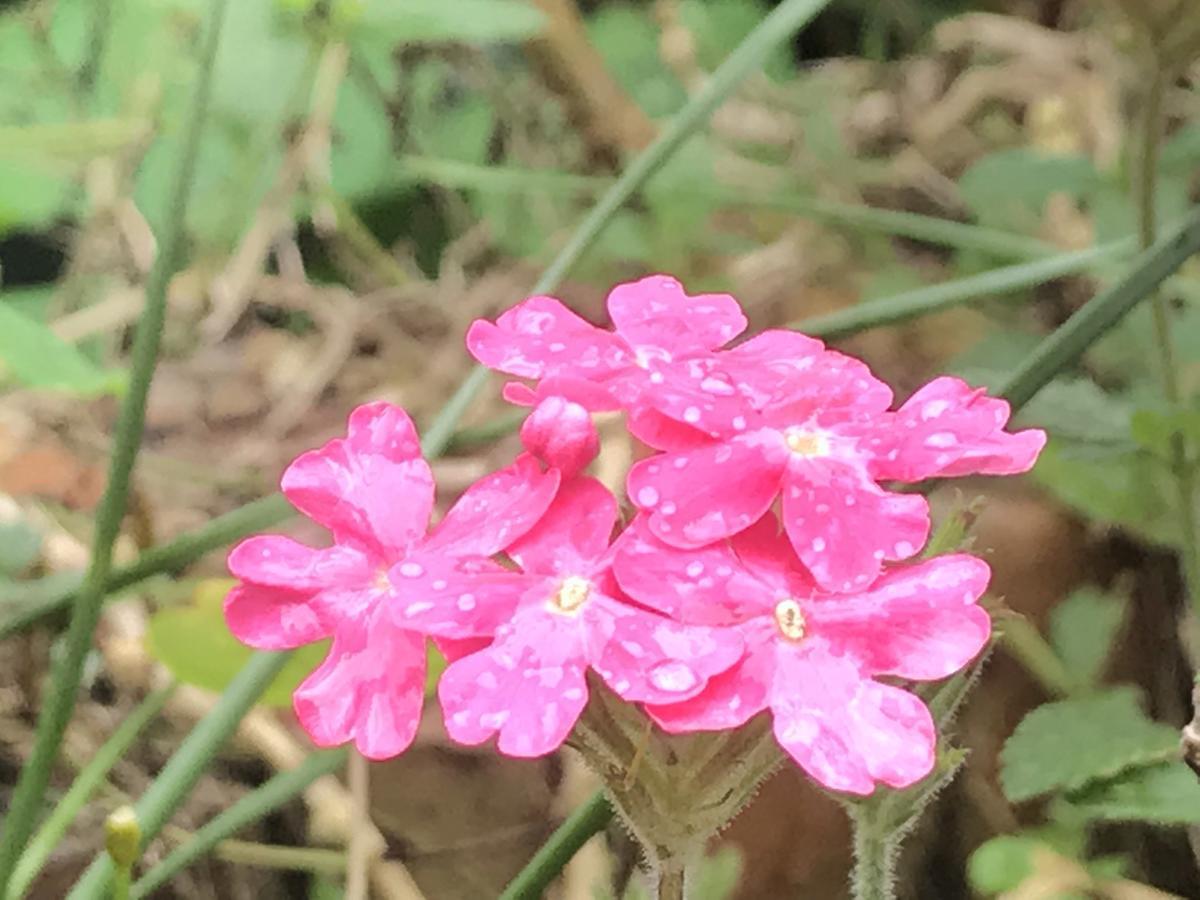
(875, 851)
(671, 876)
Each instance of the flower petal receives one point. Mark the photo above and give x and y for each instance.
(651, 427)
(369, 689)
(656, 312)
(646, 658)
(921, 622)
(826, 388)
(740, 480)
(495, 511)
(561, 434)
(541, 337)
(701, 585)
(696, 392)
(948, 428)
(528, 686)
(278, 561)
(455, 597)
(730, 699)
(844, 526)
(372, 488)
(844, 730)
(273, 618)
(573, 535)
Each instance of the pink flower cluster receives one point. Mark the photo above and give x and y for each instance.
(765, 567)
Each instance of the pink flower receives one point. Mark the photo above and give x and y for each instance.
(560, 431)
(816, 430)
(657, 363)
(560, 615)
(812, 657)
(374, 492)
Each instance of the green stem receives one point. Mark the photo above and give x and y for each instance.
(576, 830)
(81, 790)
(1145, 192)
(250, 808)
(272, 856)
(1023, 640)
(60, 703)
(188, 763)
(875, 850)
(1069, 341)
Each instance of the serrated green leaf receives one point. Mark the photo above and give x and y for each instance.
(1167, 793)
(1082, 629)
(1070, 743)
(465, 21)
(37, 357)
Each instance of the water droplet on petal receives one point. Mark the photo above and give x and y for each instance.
(691, 415)
(647, 496)
(673, 676)
(411, 570)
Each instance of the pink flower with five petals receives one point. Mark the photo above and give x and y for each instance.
(818, 433)
(560, 615)
(812, 657)
(374, 492)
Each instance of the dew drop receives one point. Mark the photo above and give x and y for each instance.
(691, 415)
(411, 570)
(647, 496)
(673, 676)
(695, 568)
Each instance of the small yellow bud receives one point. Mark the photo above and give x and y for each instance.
(122, 836)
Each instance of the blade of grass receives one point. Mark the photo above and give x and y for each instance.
(503, 179)
(1068, 342)
(60, 703)
(253, 806)
(89, 778)
(188, 763)
(937, 297)
(576, 830)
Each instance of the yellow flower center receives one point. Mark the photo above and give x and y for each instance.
(572, 594)
(790, 619)
(807, 443)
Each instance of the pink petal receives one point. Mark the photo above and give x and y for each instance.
(828, 389)
(698, 496)
(369, 689)
(573, 535)
(495, 510)
(528, 686)
(845, 731)
(371, 488)
(650, 659)
(695, 392)
(455, 597)
(272, 618)
(949, 428)
(561, 434)
(454, 649)
(541, 337)
(766, 554)
(844, 526)
(651, 427)
(701, 586)
(269, 559)
(730, 699)
(655, 312)
(759, 363)
(921, 622)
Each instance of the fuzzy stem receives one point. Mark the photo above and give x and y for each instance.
(875, 851)
(671, 876)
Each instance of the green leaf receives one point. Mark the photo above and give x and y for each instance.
(1082, 629)
(1168, 794)
(37, 357)
(628, 41)
(1153, 428)
(19, 547)
(1002, 863)
(1078, 409)
(1070, 743)
(1009, 188)
(465, 21)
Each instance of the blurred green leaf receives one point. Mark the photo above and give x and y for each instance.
(1002, 863)
(466, 21)
(628, 40)
(19, 547)
(1153, 429)
(1070, 743)
(1080, 410)
(1167, 794)
(1009, 188)
(195, 644)
(718, 26)
(37, 357)
(1083, 628)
